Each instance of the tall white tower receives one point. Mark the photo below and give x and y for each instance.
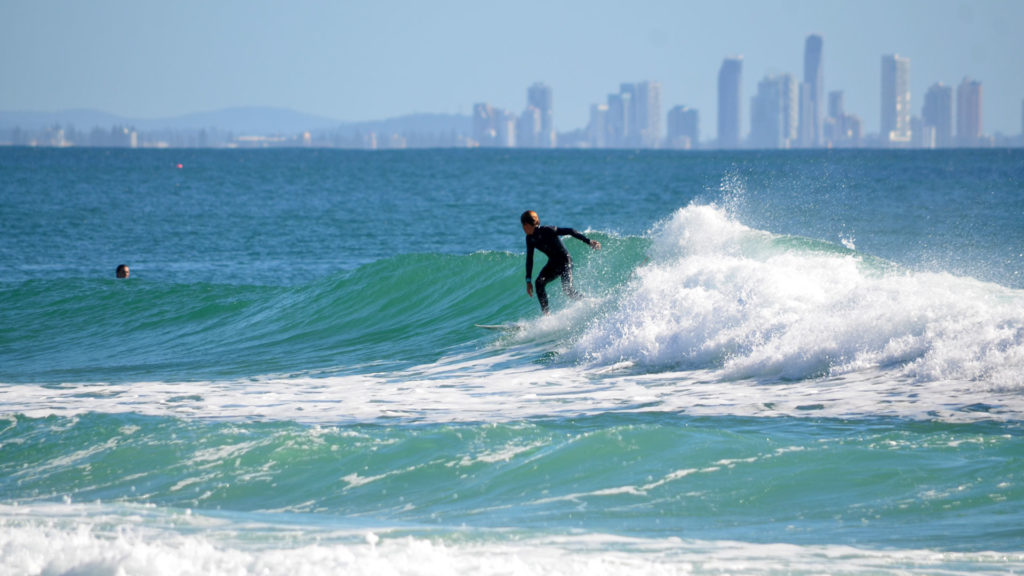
(895, 125)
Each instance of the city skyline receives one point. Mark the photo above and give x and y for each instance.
(382, 60)
(783, 114)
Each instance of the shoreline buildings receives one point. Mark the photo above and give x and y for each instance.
(534, 128)
(493, 127)
(784, 113)
(631, 118)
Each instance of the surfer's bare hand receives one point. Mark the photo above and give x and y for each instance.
(595, 245)
(529, 290)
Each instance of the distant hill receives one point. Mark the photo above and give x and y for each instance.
(261, 121)
(81, 119)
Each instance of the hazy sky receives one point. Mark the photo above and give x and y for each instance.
(374, 59)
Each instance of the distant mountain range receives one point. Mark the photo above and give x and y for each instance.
(241, 121)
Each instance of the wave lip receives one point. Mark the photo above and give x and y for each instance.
(718, 295)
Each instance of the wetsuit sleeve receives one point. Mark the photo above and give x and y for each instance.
(572, 232)
(529, 259)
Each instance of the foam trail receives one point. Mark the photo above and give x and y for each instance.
(93, 539)
(475, 390)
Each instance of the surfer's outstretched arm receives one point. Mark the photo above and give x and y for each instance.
(579, 236)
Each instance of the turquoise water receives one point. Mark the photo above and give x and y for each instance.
(795, 362)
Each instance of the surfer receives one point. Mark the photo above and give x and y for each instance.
(547, 240)
(122, 271)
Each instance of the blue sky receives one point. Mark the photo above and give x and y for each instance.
(374, 59)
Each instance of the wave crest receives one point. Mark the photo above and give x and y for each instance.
(750, 304)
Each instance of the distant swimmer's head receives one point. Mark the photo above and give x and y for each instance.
(123, 271)
(530, 221)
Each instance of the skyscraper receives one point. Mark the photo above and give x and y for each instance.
(506, 128)
(812, 96)
(840, 129)
(617, 122)
(834, 128)
(648, 114)
(493, 127)
(631, 133)
(634, 119)
(540, 97)
(895, 125)
(773, 113)
(938, 113)
(836, 109)
(968, 113)
(528, 128)
(484, 129)
(790, 108)
(730, 77)
(683, 128)
(597, 130)
(922, 134)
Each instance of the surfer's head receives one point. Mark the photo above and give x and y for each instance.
(530, 221)
(122, 271)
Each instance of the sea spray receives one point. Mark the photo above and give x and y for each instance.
(718, 295)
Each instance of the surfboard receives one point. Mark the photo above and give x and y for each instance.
(502, 327)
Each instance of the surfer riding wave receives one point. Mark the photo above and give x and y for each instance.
(548, 240)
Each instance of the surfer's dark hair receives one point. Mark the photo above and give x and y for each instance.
(530, 217)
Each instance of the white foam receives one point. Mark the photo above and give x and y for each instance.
(91, 539)
(482, 393)
(719, 295)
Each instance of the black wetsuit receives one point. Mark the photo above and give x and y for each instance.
(546, 239)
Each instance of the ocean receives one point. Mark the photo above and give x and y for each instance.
(794, 362)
